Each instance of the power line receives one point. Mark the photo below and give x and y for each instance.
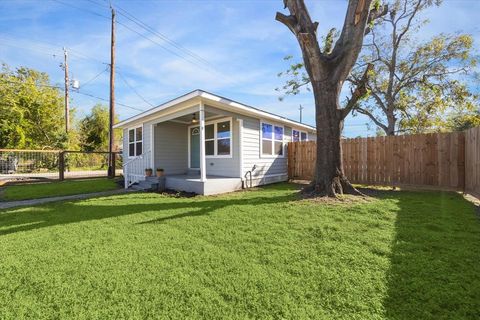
(173, 43)
(83, 9)
(74, 91)
(35, 45)
(208, 66)
(95, 77)
(134, 90)
(158, 44)
(107, 100)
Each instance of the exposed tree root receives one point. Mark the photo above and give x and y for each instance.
(338, 186)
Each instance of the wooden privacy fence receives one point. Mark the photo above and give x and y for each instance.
(472, 161)
(449, 161)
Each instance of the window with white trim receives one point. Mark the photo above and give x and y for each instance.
(135, 141)
(299, 135)
(272, 140)
(218, 139)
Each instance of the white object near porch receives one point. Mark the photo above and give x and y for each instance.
(134, 168)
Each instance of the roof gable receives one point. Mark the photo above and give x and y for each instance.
(231, 104)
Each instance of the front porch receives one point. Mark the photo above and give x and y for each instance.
(197, 147)
(212, 184)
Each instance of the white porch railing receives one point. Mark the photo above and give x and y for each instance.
(134, 168)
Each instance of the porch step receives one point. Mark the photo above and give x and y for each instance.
(149, 184)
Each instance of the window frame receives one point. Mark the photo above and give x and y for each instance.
(135, 141)
(273, 140)
(300, 135)
(215, 138)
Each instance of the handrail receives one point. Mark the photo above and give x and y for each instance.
(135, 158)
(137, 163)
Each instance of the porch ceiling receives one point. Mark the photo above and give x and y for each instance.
(188, 118)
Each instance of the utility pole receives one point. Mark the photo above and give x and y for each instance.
(67, 107)
(111, 155)
(300, 108)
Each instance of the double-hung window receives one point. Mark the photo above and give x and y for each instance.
(272, 140)
(218, 139)
(299, 135)
(135, 144)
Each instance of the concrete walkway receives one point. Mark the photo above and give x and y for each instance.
(33, 202)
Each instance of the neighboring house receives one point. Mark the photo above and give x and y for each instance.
(209, 144)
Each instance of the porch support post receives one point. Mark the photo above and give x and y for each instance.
(203, 169)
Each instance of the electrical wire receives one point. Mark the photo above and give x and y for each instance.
(134, 90)
(92, 79)
(173, 43)
(74, 91)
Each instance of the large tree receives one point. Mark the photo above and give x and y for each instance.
(414, 86)
(327, 71)
(31, 110)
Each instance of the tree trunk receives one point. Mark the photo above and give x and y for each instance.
(329, 177)
(391, 126)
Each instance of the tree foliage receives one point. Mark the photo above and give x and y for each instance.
(93, 129)
(31, 110)
(413, 86)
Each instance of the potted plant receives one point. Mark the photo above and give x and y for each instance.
(148, 172)
(160, 172)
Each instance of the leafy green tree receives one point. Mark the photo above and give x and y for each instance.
(31, 110)
(93, 130)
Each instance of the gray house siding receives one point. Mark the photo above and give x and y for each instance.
(227, 167)
(170, 147)
(264, 166)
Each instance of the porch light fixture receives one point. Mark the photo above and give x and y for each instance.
(194, 119)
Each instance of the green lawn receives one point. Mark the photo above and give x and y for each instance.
(258, 254)
(53, 189)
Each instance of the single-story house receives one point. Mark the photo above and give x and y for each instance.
(209, 144)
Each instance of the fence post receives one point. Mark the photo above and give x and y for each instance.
(61, 166)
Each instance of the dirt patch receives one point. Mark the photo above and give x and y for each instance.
(178, 194)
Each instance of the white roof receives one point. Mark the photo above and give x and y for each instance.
(235, 106)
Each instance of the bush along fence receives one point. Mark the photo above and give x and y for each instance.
(31, 165)
(444, 161)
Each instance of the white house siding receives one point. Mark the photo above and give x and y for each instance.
(171, 147)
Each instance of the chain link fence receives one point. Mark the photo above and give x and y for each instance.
(31, 165)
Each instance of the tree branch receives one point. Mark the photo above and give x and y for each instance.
(372, 117)
(288, 21)
(374, 15)
(359, 92)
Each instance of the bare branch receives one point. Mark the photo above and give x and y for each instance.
(288, 21)
(359, 92)
(372, 117)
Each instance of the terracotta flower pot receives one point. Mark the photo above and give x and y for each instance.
(160, 172)
(148, 172)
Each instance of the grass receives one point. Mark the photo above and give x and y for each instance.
(259, 254)
(53, 189)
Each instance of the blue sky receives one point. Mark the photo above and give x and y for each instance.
(241, 42)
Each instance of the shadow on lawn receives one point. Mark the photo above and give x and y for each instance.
(435, 258)
(27, 219)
